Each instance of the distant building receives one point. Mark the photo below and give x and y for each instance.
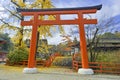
(39, 42)
(3, 53)
(42, 41)
(103, 44)
(109, 44)
(52, 49)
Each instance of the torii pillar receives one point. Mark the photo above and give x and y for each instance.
(57, 12)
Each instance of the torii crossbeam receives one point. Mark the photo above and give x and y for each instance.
(57, 12)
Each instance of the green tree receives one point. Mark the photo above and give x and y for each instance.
(8, 43)
(17, 54)
(109, 35)
(117, 33)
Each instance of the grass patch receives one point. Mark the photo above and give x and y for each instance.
(19, 69)
(11, 68)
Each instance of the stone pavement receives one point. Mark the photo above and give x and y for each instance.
(15, 75)
(52, 73)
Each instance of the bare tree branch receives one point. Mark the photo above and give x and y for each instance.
(15, 3)
(7, 24)
(4, 22)
(14, 14)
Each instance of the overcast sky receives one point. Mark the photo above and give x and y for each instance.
(110, 8)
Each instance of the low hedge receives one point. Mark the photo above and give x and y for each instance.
(62, 61)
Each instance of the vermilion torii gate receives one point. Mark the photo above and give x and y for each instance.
(57, 12)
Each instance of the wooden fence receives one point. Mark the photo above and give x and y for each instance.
(100, 67)
(50, 60)
(38, 62)
(45, 63)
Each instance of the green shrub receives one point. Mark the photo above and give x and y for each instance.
(63, 61)
(110, 56)
(18, 54)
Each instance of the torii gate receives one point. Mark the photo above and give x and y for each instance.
(79, 11)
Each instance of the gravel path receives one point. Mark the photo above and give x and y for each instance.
(51, 74)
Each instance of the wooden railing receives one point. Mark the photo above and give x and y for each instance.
(45, 63)
(100, 67)
(38, 62)
(52, 57)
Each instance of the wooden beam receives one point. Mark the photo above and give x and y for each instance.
(90, 21)
(26, 23)
(57, 22)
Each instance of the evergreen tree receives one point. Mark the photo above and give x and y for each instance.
(7, 45)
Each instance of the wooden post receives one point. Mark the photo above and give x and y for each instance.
(83, 47)
(31, 59)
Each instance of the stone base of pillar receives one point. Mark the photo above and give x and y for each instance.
(30, 70)
(85, 71)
